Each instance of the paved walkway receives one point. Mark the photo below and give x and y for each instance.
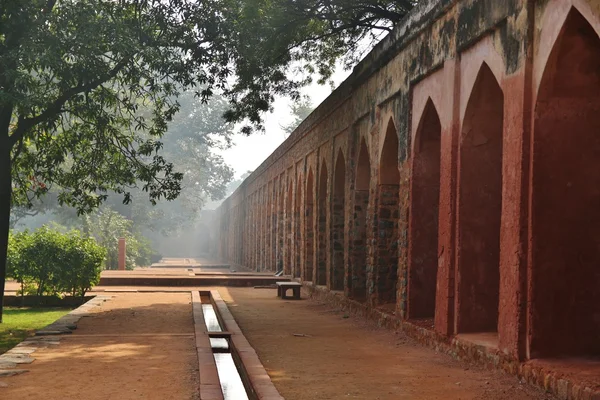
(312, 351)
(141, 346)
(135, 346)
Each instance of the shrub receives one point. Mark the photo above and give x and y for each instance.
(17, 265)
(55, 262)
(107, 226)
(82, 265)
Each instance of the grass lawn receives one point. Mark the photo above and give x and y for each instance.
(19, 323)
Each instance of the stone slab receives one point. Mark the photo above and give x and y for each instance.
(21, 350)
(17, 358)
(12, 372)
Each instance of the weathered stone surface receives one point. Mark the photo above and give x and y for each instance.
(12, 372)
(456, 171)
(21, 350)
(17, 358)
(49, 333)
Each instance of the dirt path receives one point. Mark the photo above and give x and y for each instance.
(346, 358)
(136, 346)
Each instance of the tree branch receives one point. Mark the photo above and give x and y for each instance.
(24, 124)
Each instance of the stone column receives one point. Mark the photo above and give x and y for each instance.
(122, 254)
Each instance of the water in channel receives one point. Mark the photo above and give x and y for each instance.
(229, 377)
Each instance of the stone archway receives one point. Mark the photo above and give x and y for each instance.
(565, 303)
(321, 278)
(338, 223)
(424, 213)
(388, 212)
(358, 252)
(309, 228)
(289, 245)
(298, 231)
(480, 206)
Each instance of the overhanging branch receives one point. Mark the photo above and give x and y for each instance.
(24, 124)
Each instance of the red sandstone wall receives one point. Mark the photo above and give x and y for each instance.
(501, 233)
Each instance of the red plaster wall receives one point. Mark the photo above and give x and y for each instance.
(511, 247)
(322, 227)
(425, 196)
(566, 197)
(480, 205)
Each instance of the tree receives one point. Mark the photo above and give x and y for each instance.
(279, 45)
(73, 77)
(196, 131)
(300, 110)
(106, 226)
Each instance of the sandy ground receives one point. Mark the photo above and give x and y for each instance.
(136, 346)
(347, 358)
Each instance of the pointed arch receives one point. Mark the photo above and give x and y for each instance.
(289, 229)
(565, 196)
(552, 25)
(280, 234)
(296, 270)
(387, 213)
(268, 226)
(322, 259)
(363, 167)
(389, 174)
(480, 206)
(338, 223)
(358, 257)
(424, 213)
(309, 228)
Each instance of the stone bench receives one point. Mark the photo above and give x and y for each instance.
(282, 288)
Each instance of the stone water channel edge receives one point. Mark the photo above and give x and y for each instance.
(253, 374)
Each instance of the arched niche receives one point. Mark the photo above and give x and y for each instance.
(424, 213)
(338, 223)
(565, 278)
(480, 206)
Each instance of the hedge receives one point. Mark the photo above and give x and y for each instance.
(49, 262)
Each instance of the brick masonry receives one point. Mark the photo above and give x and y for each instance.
(467, 200)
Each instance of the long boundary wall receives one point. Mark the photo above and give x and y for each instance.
(449, 183)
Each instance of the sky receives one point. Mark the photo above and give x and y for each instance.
(248, 152)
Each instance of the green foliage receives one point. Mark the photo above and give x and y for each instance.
(17, 263)
(300, 110)
(107, 226)
(55, 262)
(196, 131)
(88, 88)
(81, 266)
(192, 138)
(279, 45)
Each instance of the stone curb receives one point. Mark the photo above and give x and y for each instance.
(210, 386)
(261, 383)
(45, 337)
(67, 323)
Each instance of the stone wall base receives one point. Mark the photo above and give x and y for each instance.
(551, 380)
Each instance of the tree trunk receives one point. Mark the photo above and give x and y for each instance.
(5, 199)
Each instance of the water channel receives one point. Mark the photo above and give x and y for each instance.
(229, 376)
